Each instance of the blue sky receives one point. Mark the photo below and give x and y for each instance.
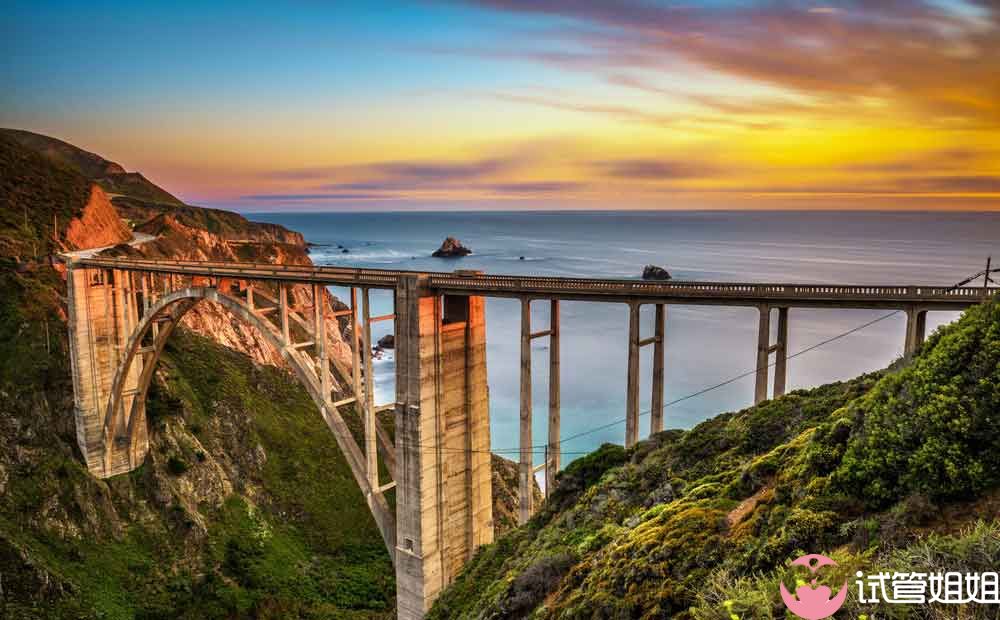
(734, 104)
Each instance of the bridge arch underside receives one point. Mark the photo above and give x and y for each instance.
(124, 427)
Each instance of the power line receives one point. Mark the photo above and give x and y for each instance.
(540, 448)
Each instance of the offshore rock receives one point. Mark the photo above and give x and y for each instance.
(652, 272)
(451, 248)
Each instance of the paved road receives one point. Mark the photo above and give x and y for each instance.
(138, 239)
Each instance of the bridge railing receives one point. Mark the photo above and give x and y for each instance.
(348, 275)
(641, 288)
(508, 284)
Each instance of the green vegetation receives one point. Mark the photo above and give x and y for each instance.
(244, 509)
(112, 178)
(891, 469)
(35, 194)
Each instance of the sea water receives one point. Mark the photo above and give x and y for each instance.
(705, 345)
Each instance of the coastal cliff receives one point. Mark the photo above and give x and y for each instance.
(244, 507)
(98, 225)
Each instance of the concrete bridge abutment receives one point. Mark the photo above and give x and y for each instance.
(443, 486)
(103, 311)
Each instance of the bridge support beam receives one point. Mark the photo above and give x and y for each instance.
(659, 344)
(525, 464)
(916, 328)
(781, 354)
(443, 484)
(367, 407)
(553, 452)
(764, 350)
(102, 310)
(632, 378)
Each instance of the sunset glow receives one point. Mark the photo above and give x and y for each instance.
(524, 104)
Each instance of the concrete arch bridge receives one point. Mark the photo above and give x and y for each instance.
(122, 312)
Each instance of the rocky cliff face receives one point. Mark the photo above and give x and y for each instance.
(98, 225)
(506, 502)
(180, 237)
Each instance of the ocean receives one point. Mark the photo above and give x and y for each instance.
(704, 345)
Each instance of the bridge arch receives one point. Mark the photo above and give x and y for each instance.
(167, 313)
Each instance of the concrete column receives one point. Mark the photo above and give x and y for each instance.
(99, 322)
(525, 463)
(319, 325)
(656, 402)
(552, 462)
(632, 386)
(283, 310)
(356, 344)
(916, 326)
(443, 479)
(371, 446)
(781, 353)
(144, 278)
(763, 349)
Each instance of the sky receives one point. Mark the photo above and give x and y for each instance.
(522, 104)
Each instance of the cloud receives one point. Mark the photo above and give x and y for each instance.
(985, 185)
(959, 184)
(935, 64)
(654, 169)
(402, 173)
(923, 163)
(630, 114)
(533, 187)
(404, 179)
(289, 197)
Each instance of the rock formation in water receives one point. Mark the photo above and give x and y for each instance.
(451, 248)
(652, 272)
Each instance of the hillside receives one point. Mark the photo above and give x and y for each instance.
(112, 177)
(896, 470)
(244, 508)
(44, 206)
(215, 524)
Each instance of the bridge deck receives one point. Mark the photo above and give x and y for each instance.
(585, 289)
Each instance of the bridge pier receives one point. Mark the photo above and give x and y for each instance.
(525, 463)
(632, 377)
(635, 344)
(656, 402)
(781, 353)
(443, 485)
(553, 452)
(102, 310)
(525, 467)
(764, 350)
(916, 328)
